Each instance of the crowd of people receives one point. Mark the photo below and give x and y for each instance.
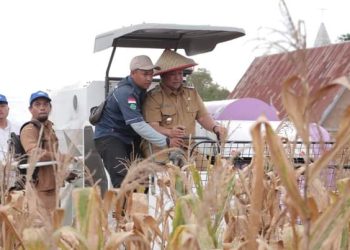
(134, 122)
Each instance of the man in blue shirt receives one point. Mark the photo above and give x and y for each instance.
(119, 131)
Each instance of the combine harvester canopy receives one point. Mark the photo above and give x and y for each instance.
(193, 39)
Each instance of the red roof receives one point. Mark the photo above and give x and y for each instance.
(263, 79)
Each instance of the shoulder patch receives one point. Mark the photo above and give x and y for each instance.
(132, 102)
(155, 90)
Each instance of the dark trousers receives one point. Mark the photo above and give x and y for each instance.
(116, 156)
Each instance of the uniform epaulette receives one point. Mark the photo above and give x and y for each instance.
(156, 89)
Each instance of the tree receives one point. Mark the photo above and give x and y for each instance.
(207, 89)
(344, 37)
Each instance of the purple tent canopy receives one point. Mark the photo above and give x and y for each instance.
(245, 109)
(318, 133)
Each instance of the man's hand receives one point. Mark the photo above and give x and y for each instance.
(177, 131)
(72, 176)
(175, 142)
(221, 132)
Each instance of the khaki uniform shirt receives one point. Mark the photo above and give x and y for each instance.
(30, 138)
(171, 108)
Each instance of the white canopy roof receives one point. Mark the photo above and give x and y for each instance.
(194, 39)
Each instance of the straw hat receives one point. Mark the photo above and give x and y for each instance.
(170, 61)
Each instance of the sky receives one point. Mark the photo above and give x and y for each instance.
(48, 45)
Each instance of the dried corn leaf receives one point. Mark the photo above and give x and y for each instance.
(69, 238)
(254, 218)
(184, 238)
(137, 203)
(319, 193)
(343, 81)
(319, 94)
(331, 223)
(90, 219)
(108, 199)
(117, 239)
(314, 213)
(342, 185)
(58, 217)
(10, 232)
(289, 236)
(145, 223)
(285, 170)
(296, 106)
(342, 138)
(35, 239)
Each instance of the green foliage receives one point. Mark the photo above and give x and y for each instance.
(197, 181)
(207, 89)
(344, 37)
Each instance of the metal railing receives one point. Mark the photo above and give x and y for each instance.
(239, 154)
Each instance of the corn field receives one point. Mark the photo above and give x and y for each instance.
(261, 206)
(233, 209)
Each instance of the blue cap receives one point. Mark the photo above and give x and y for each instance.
(38, 94)
(3, 99)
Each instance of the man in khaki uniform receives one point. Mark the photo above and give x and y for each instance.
(173, 108)
(45, 146)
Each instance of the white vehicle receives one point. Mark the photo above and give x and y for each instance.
(75, 102)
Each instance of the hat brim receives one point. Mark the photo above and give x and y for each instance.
(3, 102)
(150, 68)
(43, 97)
(182, 67)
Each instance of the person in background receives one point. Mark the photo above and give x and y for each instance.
(173, 107)
(40, 143)
(119, 131)
(6, 127)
